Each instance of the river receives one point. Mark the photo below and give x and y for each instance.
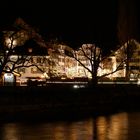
(119, 126)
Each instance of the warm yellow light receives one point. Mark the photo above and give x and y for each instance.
(30, 50)
(10, 43)
(44, 75)
(16, 74)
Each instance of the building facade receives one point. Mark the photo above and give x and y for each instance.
(56, 63)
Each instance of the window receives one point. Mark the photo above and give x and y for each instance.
(134, 60)
(134, 67)
(34, 70)
(33, 60)
(38, 60)
(21, 70)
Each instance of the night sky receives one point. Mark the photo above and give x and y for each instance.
(71, 22)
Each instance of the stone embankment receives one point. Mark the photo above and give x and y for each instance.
(52, 101)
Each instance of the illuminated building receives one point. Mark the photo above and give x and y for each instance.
(53, 61)
(132, 60)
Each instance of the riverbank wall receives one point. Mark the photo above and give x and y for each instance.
(60, 100)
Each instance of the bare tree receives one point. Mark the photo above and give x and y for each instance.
(10, 59)
(93, 55)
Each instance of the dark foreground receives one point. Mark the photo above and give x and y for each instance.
(60, 101)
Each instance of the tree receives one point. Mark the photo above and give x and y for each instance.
(11, 56)
(89, 56)
(10, 59)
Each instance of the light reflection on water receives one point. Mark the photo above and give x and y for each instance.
(121, 126)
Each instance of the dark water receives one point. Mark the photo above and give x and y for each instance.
(120, 126)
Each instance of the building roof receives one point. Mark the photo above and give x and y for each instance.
(33, 40)
(31, 48)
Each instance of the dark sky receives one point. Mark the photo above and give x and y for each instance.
(72, 22)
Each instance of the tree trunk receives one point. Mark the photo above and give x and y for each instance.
(94, 81)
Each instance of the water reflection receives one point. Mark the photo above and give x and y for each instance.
(10, 132)
(113, 127)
